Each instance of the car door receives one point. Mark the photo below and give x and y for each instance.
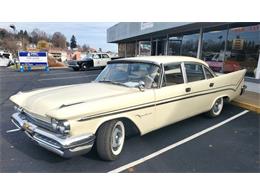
(97, 60)
(105, 59)
(169, 108)
(198, 88)
(179, 97)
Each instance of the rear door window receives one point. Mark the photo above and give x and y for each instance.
(194, 72)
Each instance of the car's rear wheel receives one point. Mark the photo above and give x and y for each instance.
(216, 108)
(110, 140)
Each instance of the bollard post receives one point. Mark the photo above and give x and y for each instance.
(29, 68)
(47, 68)
(21, 68)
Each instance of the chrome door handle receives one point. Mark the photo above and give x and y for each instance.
(211, 84)
(188, 89)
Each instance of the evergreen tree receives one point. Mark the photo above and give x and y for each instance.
(73, 42)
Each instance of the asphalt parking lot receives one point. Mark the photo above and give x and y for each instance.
(229, 143)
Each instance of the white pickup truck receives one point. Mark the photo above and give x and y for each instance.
(90, 61)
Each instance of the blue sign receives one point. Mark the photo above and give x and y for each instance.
(33, 59)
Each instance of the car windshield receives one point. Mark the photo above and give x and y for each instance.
(130, 74)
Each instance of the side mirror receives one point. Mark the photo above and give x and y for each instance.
(141, 85)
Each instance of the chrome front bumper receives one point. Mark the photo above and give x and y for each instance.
(63, 146)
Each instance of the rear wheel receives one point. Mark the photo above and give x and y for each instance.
(216, 108)
(110, 140)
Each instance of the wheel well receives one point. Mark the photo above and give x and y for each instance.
(130, 127)
(226, 99)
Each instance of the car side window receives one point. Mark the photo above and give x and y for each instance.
(173, 75)
(208, 74)
(96, 56)
(105, 56)
(194, 72)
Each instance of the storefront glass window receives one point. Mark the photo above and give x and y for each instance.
(121, 49)
(145, 48)
(243, 49)
(174, 47)
(130, 49)
(190, 45)
(213, 49)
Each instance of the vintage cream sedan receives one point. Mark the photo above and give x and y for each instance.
(140, 93)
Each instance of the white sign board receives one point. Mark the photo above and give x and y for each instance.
(146, 25)
(33, 58)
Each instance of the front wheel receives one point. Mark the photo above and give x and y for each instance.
(110, 140)
(216, 108)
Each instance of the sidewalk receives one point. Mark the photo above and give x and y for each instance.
(249, 100)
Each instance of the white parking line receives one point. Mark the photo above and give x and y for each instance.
(47, 79)
(12, 130)
(59, 73)
(148, 157)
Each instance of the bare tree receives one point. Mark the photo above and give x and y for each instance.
(37, 35)
(10, 44)
(59, 40)
(85, 47)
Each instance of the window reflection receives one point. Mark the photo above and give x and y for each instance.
(214, 49)
(145, 48)
(190, 45)
(243, 49)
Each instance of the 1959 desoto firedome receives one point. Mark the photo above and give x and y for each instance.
(140, 93)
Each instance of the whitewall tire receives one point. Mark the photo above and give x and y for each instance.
(110, 140)
(216, 108)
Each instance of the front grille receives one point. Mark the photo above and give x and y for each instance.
(37, 122)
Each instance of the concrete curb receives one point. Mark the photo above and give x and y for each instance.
(247, 106)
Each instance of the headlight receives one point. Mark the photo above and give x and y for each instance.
(61, 126)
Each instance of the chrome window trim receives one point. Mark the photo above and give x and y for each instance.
(184, 74)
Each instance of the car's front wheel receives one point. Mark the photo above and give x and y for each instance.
(216, 108)
(110, 140)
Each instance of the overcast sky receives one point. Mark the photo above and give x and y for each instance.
(91, 33)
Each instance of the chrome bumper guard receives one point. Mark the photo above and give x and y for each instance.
(243, 89)
(63, 146)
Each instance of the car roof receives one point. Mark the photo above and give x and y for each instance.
(161, 59)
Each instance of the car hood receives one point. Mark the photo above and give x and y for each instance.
(42, 101)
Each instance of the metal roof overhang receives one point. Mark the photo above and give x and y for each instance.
(178, 29)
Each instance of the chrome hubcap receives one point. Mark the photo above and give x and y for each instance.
(218, 105)
(117, 139)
